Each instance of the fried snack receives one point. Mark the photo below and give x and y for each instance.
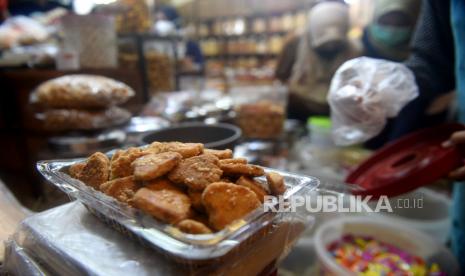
(185, 149)
(152, 166)
(96, 171)
(221, 154)
(229, 179)
(193, 227)
(196, 200)
(226, 202)
(197, 194)
(241, 169)
(123, 189)
(200, 217)
(233, 161)
(161, 184)
(254, 186)
(169, 206)
(122, 160)
(116, 155)
(75, 169)
(276, 183)
(196, 172)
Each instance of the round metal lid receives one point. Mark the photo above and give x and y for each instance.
(145, 124)
(84, 144)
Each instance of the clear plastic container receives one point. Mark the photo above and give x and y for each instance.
(247, 247)
(261, 110)
(405, 238)
(431, 218)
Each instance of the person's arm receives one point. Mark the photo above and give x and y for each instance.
(433, 60)
(432, 63)
(287, 58)
(195, 53)
(432, 53)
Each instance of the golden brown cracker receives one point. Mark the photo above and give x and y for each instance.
(233, 161)
(276, 183)
(193, 227)
(196, 199)
(196, 172)
(221, 154)
(96, 171)
(122, 160)
(123, 189)
(242, 169)
(226, 202)
(166, 205)
(75, 169)
(185, 149)
(152, 165)
(161, 184)
(254, 186)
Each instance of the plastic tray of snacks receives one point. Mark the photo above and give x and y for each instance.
(249, 245)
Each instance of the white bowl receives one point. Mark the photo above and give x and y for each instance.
(407, 239)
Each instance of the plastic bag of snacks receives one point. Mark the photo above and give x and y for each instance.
(261, 110)
(364, 93)
(75, 119)
(81, 91)
(21, 30)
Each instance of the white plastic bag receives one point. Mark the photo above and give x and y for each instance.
(365, 92)
(21, 30)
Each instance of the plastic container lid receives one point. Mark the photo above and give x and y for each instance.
(411, 162)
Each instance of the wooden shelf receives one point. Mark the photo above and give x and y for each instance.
(282, 33)
(258, 55)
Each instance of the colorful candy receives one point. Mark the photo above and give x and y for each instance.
(369, 257)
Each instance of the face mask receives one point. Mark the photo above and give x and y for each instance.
(390, 36)
(329, 50)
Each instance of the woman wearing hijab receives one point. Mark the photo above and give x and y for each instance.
(437, 61)
(388, 35)
(320, 50)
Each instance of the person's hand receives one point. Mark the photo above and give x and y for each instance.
(456, 138)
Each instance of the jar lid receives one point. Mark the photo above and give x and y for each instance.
(416, 160)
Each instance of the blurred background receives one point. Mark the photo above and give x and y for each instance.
(262, 65)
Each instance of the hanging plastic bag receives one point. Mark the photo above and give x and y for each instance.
(364, 93)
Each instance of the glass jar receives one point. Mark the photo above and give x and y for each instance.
(300, 20)
(160, 64)
(260, 110)
(203, 30)
(276, 44)
(134, 16)
(288, 22)
(259, 25)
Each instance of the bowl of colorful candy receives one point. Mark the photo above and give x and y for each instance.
(367, 246)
